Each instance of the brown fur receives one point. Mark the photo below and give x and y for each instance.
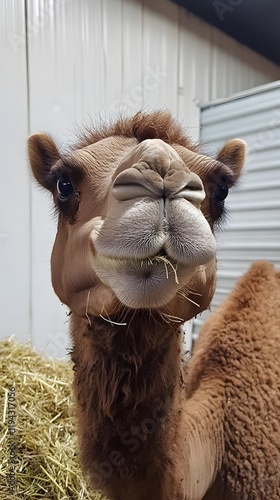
(128, 387)
(142, 437)
(237, 361)
(157, 125)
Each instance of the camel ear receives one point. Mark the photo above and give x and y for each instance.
(232, 154)
(43, 154)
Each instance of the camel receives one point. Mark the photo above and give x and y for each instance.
(135, 257)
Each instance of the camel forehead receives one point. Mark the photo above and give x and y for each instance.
(107, 150)
(154, 147)
(128, 151)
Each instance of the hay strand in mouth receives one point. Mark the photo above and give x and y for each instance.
(166, 261)
(87, 304)
(184, 295)
(169, 318)
(47, 464)
(192, 301)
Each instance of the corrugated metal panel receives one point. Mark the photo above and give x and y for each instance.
(253, 229)
(15, 188)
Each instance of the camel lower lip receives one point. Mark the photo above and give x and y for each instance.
(146, 288)
(138, 265)
(143, 283)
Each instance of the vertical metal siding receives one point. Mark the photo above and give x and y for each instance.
(91, 58)
(253, 228)
(130, 99)
(160, 52)
(15, 188)
(195, 68)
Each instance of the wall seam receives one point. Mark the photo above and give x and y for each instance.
(26, 11)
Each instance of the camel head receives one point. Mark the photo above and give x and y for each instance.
(137, 207)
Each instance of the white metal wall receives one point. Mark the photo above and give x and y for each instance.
(65, 59)
(15, 242)
(253, 228)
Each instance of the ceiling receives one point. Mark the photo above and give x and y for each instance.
(255, 23)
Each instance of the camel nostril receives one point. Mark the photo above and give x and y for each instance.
(194, 196)
(138, 183)
(186, 185)
(195, 184)
(131, 183)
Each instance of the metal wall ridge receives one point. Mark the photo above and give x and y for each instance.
(267, 87)
(263, 143)
(252, 246)
(242, 112)
(234, 129)
(257, 186)
(254, 225)
(258, 164)
(258, 205)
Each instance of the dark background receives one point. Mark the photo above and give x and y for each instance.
(255, 23)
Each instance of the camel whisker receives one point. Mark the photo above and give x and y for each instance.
(111, 321)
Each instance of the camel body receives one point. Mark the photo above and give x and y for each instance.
(237, 361)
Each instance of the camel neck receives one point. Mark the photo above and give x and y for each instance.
(127, 368)
(127, 386)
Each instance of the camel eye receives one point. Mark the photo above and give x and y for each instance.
(64, 187)
(220, 194)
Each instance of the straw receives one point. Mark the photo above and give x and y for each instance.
(46, 461)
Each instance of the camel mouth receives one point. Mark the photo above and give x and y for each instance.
(170, 265)
(141, 264)
(143, 283)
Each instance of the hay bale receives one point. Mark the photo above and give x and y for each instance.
(39, 445)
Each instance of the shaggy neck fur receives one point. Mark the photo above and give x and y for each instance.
(130, 389)
(133, 361)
